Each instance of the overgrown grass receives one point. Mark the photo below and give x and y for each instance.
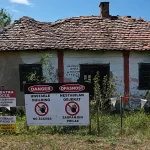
(133, 123)
(137, 123)
(134, 134)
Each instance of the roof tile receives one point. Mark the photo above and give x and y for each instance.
(85, 32)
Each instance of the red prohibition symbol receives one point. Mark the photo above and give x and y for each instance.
(41, 109)
(72, 108)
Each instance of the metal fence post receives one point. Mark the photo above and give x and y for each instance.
(3, 108)
(90, 118)
(26, 125)
(121, 112)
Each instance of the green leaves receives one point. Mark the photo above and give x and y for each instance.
(104, 91)
(33, 77)
(5, 18)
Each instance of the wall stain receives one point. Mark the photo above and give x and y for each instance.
(67, 80)
(134, 80)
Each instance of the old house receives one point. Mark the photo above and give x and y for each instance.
(79, 46)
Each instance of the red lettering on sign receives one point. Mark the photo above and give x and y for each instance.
(40, 88)
(7, 93)
(72, 88)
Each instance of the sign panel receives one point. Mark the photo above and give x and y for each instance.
(7, 127)
(57, 104)
(7, 98)
(7, 119)
(75, 109)
(7, 123)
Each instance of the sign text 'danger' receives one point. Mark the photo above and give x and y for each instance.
(40, 88)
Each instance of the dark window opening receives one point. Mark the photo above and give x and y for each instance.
(144, 76)
(26, 69)
(88, 72)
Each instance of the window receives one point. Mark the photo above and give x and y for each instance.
(144, 76)
(26, 69)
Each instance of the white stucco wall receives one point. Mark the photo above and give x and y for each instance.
(49, 68)
(9, 69)
(73, 59)
(135, 59)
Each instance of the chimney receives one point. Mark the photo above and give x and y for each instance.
(104, 7)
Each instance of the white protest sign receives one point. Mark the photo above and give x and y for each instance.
(57, 104)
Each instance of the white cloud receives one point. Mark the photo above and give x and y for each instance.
(13, 9)
(26, 2)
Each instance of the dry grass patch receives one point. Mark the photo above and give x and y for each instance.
(69, 142)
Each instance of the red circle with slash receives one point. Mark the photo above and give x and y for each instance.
(38, 109)
(73, 111)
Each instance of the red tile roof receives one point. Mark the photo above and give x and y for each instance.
(78, 33)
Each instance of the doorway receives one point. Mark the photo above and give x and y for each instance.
(88, 72)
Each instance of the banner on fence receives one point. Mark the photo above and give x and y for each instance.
(7, 98)
(57, 104)
(113, 101)
(143, 102)
(7, 123)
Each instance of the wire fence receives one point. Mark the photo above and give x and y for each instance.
(99, 121)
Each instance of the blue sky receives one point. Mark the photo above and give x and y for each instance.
(52, 10)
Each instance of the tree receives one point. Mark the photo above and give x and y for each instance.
(5, 18)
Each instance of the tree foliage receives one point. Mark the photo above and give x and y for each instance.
(5, 18)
